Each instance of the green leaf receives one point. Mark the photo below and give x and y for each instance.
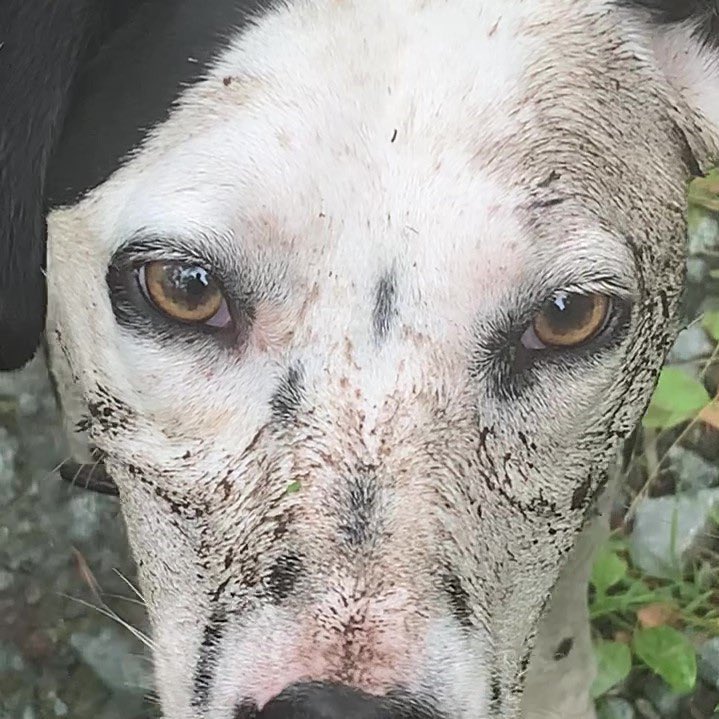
(668, 653)
(608, 570)
(711, 324)
(614, 662)
(293, 487)
(678, 397)
(635, 594)
(704, 191)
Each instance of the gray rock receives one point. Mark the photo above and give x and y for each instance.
(10, 659)
(615, 708)
(704, 234)
(110, 655)
(646, 710)
(691, 344)
(708, 662)
(8, 452)
(693, 472)
(84, 515)
(6, 580)
(41, 520)
(61, 709)
(697, 270)
(668, 531)
(664, 700)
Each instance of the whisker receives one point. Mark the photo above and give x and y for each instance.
(130, 585)
(107, 612)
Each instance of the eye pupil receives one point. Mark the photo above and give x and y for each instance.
(566, 312)
(187, 285)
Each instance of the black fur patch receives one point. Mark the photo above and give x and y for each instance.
(581, 493)
(81, 84)
(563, 649)
(385, 308)
(458, 598)
(205, 669)
(495, 694)
(287, 398)
(283, 577)
(109, 413)
(361, 510)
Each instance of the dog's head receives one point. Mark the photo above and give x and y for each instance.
(358, 327)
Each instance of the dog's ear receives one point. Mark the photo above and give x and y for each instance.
(684, 39)
(42, 45)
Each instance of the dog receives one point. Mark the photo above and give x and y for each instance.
(354, 302)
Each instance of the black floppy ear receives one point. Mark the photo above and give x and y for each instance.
(42, 45)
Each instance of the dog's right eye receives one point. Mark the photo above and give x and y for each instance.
(185, 293)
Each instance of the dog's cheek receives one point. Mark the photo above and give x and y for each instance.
(164, 548)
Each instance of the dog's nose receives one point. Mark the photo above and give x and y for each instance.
(319, 700)
(323, 701)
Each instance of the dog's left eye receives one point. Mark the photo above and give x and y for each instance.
(184, 292)
(568, 320)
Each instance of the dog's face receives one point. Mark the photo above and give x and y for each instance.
(358, 329)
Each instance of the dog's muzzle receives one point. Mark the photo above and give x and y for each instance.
(320, 700)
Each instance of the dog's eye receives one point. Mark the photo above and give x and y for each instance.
(568, 320)
(185, 293)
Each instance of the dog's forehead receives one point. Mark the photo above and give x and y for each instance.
(330, 124)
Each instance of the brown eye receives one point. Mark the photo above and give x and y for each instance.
(568, 320)
(184, 292)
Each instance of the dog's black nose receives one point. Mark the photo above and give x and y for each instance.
(323, 701)
(317, 700)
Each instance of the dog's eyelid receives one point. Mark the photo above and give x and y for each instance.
(531, 300)
(135, 254)
(601, 286)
